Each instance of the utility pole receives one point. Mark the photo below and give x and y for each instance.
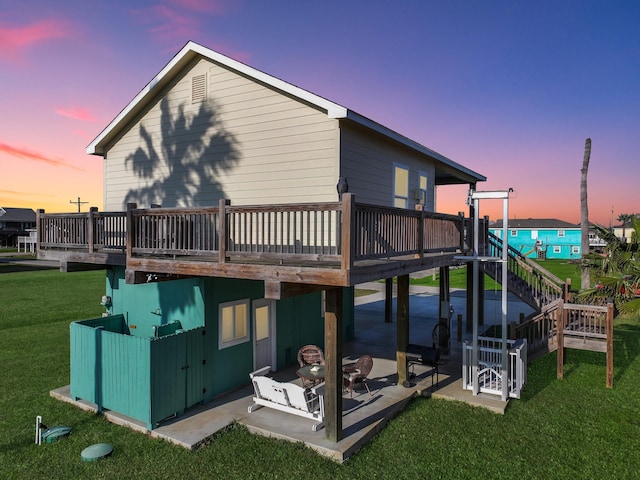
(78, 202)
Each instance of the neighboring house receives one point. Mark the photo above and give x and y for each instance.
(542, 237)
(15, 222)
(624, 232)
(260, 257)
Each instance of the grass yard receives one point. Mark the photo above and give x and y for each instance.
(562, 269)
(574, 428)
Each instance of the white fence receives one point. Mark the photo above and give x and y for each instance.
(490, 376)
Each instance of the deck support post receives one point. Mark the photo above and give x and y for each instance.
(333, 364)
(444, 310)
(388, 300)
(402, 327)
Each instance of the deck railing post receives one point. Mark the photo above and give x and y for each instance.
(131, 234)
(609, 333)
(348, 230)
(421, 232)
(91, 240)
(223, 229)
(461, 222)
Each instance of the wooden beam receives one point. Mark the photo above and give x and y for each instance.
(134, 277)
(69, 267)
(402, 328)
(280, 290)
(333, 364)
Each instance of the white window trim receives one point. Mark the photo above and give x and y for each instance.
(575, 249)
(561, 233)
(513, 232)
(235, 341)
(557, 249)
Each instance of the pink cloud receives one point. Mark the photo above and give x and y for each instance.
(15, 40)
(30, 155)
(76, 113)
(173, 22)
(217, 7)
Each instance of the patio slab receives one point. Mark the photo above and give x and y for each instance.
(363, 415)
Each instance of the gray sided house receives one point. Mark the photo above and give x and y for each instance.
(224, 239)
(15, 222)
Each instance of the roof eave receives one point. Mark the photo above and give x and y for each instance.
(465, 174)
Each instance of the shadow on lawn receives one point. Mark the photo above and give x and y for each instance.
(12, 267)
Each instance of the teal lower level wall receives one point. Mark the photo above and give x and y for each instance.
(133, 360)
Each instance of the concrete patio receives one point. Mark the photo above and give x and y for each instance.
(363, 415)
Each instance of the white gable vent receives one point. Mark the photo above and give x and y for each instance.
(198, 88)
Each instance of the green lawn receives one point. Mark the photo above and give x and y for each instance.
(574, 428)
(562, 269)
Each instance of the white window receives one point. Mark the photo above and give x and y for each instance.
(233, 323)
(514, 233)
(400, 186)
(534, 234)
(557, 249)
(575, 250)
(422, 190)
(560, 233)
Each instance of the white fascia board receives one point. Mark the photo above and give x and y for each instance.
(333, 110)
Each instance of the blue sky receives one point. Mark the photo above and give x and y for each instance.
(509, 89)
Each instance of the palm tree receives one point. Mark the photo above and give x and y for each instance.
(618, 271)
(584, 217)
(624, 218)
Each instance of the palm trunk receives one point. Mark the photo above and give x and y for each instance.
(584, 216)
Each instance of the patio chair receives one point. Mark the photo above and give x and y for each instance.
(356, 374)
(310, 355)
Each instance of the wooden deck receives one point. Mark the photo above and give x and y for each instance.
(288, 246)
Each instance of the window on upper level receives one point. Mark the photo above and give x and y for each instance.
(514, 233)
(400, 186)
(560, 233)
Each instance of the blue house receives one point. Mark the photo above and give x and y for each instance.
(542, 238)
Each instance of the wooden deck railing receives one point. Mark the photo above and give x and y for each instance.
(93, 231)
(284, 232)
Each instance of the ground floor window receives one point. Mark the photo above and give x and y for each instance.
(575, 250)
(233, 320)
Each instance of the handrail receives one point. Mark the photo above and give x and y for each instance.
(303, 232)
(545, 286)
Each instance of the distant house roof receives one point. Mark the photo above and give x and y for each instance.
(447, 171)
(528, 223)
(8, 214)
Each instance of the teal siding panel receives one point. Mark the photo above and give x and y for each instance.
(125, 375)
(168, 376)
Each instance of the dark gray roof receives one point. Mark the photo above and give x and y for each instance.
(8, 214)
(535, 223)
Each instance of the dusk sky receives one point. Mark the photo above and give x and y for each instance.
(510, 89)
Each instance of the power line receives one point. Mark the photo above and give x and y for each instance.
(78, 202)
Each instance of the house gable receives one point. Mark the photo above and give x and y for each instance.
(262, 140)
(242, 141)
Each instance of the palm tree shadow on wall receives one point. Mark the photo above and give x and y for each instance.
(182, 167)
